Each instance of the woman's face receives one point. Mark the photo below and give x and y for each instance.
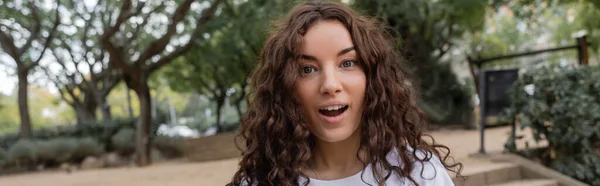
(332, 84)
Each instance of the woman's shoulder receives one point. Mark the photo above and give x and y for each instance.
(430, 171)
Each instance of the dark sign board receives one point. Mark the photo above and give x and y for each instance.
(497, 85)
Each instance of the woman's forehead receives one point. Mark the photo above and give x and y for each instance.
(326, 38)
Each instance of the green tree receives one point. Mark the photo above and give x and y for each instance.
(139, 54)
(220, 67)
(85, 78)
(25, 34)
(563, 19)
(427, 31)
(501, 36)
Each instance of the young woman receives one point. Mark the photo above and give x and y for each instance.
(330, 105)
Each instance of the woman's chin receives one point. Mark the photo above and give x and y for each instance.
(334, 136)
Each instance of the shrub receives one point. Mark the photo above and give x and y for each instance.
(444, 99)
(22, 152)
(70, 143)
(65, 148)
(87, 147)
(3, 157)
(52, 152)
(46, 150)
(7, 140)
(564, 110)
(124, 141)
(100, 131)
(57, 150)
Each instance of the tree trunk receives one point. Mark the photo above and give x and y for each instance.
(238, 101)
(220, 102)
(85, 112)
(238, 108)
(105, 107)
(90, 104)
(25, 130)
(129, 109)
(143, 142)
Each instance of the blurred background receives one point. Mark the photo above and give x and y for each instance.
(91, 84)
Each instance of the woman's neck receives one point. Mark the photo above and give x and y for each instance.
(338, 159)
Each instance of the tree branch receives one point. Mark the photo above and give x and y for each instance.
(64, 96)
(8, 43)
(8, 27)
(87, 48)
(144, 22)
(137, 11)
(70, 90)
(116, 56)
(159, 45)
(200, 24)
(59, 60)
(88, 25)
(106, 24)
(36, 28)
(57, 83)
(201, 80)
(123, 15)
(76, 63)
(50, 37)
(110, 84)
(71, 76)
(446, 41)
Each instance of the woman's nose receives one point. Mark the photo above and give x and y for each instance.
(330, 82)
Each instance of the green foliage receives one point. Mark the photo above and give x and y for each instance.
(445, 100)
(222, 60)
(63, 148)
(23, 151)
(427, 31)
(3, 157)
(57, 150)
(560, 20)
(124, 141)
(87, 147)
(563, 110)
(54, 145)
(101, 132)
(46, 150)
(9, 114)
(52, 152)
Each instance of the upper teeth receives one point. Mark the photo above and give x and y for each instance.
(336, 107)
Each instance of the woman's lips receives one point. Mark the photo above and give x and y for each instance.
(334, 119)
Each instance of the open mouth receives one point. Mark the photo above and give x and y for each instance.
(333, 111)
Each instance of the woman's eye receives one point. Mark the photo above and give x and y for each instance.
(347, 64)
(308, 70)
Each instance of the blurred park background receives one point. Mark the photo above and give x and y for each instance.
(90, 83)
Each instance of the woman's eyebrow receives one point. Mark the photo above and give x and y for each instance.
(308, 57)
(346, 50)
(313, 58)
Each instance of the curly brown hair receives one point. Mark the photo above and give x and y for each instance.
(278, 143)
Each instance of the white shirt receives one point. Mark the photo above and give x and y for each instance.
(434, 173)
